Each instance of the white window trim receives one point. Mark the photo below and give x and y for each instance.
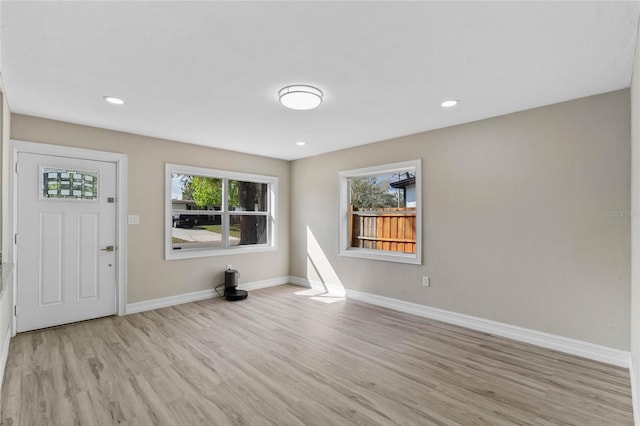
(272, 217)
(343, 191)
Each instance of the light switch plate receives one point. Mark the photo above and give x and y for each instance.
(134, 219)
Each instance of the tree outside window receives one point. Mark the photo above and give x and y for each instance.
(219, 210)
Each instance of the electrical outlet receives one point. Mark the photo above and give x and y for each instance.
(425, 281)
(228, 266)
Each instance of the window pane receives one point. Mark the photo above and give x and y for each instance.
(196, 219)
(247, 230)
(247, 196)
(383, 191)
(388, 230)
(196, 231)
(383, 212)
(191, 192)
(69, 184)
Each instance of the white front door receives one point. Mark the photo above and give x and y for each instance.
(66, 269)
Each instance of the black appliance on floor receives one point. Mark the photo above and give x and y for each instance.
(230, 283)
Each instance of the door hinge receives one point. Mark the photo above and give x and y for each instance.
(111, 200)
(16, 167)
(15, 310)
(16, 238)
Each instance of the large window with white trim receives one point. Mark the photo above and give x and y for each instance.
(213, 212)
(380, 212)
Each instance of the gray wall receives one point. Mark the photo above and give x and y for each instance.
(149, 275)
(526, 219)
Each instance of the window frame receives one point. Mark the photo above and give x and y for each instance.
(345, 248)
(224, 212)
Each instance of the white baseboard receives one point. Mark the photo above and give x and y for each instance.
(302, 282)
(179, 299)
(163, 302)
(5, 355)
(333, 289)
(563, 344)
(257, 285)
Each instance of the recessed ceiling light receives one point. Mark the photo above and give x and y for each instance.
(113, 100)
(301, 143)
(300, 97)
(449, 103)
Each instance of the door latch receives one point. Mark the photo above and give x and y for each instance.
(108, 248)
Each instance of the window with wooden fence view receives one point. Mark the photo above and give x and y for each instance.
(382, 212)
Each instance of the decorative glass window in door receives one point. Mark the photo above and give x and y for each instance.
(69, 184)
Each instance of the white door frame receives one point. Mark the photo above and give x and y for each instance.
(120, 160)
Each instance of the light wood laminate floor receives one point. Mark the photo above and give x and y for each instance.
(283, 357)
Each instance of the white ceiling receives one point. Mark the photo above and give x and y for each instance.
(208, 72)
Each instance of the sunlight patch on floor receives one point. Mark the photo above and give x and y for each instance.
(309, 292)
(327, 299)
(320, 295)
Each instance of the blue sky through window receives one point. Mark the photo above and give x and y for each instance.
(176, 187)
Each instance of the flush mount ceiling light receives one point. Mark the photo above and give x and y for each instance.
(300, 97)
(301, 143)
(449, 103)
(113, 100)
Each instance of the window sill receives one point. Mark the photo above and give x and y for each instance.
(413, 259)
(195, 253)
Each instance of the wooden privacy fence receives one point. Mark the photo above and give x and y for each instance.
(391, 229)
